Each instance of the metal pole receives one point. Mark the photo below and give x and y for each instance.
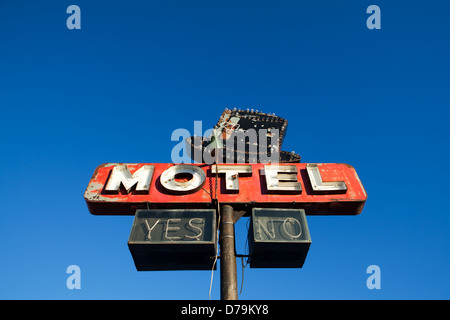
(228, 273)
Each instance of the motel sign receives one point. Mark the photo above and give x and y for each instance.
(175, 216)
(319, 189)
(178, 209)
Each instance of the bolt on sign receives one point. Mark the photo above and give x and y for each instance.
(317, 188)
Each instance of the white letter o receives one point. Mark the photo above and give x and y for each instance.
(168, 178)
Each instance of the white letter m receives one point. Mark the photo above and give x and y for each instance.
(120, 175)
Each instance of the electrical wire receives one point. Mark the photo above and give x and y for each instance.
(217, 253)
(242, 278)
(218, 226)
(242, 259)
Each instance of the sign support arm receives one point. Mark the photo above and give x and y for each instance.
(228, 272)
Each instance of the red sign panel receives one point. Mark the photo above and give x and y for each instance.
(320, 189)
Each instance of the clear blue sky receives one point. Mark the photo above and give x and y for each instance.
(137, 70)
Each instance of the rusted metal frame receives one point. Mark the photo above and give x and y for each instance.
(228, 271)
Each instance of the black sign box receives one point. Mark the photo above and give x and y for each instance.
(173, 239)
(278, 238)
